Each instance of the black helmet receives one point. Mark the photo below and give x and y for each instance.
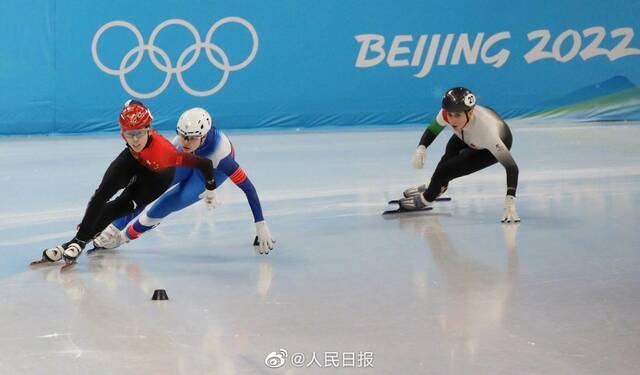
(458, 99)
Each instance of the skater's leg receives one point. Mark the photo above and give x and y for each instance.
(120, 174)
(182, 196)
(147, 188)
(454, 146)
(181, 174)
(466, 162)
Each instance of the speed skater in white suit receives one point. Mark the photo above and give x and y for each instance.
(481, 138)
(195, 134)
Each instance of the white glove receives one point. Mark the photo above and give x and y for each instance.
(263, 242)
(209, 197)
(419, 157)
(509, 214)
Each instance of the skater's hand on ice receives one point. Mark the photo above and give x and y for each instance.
(419, 157)
(263, 242)
(509, 214)
(209, 198)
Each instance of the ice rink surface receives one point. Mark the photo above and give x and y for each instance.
(451, 291)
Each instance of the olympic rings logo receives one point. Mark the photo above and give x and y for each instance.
(180, 67)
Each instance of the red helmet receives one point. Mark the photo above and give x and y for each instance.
(135, 115)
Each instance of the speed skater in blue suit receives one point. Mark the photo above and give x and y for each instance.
(195, 134)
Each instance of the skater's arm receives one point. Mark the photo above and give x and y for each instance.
(432, 131)
(502, 153)
(263, 241)
(204, 165)
(163, 155)
(236, 174)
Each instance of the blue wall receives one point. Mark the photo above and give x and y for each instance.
(312, 63)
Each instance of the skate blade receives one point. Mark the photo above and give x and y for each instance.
(440, 199)
(98, 249)
(405, 211)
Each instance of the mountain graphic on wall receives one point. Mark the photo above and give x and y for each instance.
(612, 100)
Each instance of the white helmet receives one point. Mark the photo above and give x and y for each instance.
(194, 122)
